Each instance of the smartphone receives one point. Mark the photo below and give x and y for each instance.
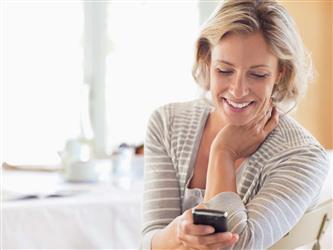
(215, 218)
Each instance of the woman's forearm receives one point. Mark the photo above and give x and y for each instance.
(221, 176)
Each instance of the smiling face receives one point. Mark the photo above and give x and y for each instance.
(243, 72)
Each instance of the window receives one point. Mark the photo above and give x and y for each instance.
(148, 51)
(149, 63)
(42, 61)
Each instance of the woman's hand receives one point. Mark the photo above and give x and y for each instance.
(201, 236)
(235, 142)
(242, 141)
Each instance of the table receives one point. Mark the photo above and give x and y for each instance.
(95, 215)
(98, 215)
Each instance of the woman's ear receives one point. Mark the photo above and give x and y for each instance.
(274, 96)
(281, 71)
(280, 75)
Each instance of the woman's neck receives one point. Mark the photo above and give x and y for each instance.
(213, 126)
(215, 123)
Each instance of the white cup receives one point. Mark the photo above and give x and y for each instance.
(81, 171)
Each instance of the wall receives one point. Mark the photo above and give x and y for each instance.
(314, 20)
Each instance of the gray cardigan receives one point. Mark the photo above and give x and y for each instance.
(280, 181)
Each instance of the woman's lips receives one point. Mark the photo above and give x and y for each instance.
(237, 106)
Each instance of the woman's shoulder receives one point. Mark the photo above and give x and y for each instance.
(290, 139)
(184, 110)
(294, 134)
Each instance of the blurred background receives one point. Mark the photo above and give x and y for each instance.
(66, 63)
(79, 79)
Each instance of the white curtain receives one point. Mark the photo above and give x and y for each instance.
(42, 56)
(149, 61)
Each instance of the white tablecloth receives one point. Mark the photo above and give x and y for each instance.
(102, 216)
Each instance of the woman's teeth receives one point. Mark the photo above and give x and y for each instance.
(238, 105)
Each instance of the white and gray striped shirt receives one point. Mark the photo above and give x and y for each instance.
(279, 182)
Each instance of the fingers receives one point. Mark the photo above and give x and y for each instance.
(197, 230)
(187, 226)
(272, 122)
(261, 112)
(219, 238)
(231, 242)
(213, 241)
(262, 121)
(267, 123)
(187, 223)
(202, 236)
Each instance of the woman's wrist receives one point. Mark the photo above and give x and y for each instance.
(224, 154)
(167, 237)
(221, 176)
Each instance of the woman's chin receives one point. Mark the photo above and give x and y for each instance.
(237, 120)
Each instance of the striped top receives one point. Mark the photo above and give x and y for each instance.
(279, 182)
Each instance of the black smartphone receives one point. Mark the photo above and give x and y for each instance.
(215, 218)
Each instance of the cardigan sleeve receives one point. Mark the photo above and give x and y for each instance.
(161, 198)
(291, 183)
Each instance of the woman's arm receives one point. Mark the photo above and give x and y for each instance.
(182, 234)
(290, 182)
(234, 142)
(222, 165)
(291, 185)
(161, 199)
(164, 227)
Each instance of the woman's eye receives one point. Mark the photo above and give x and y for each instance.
(224, 72)
(257, 75)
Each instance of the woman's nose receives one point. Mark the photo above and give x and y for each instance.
(238, 87)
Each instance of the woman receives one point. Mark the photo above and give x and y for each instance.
(237, 153)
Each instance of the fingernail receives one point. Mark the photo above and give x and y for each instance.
(235, 236)
(210, 230)
(228, 234)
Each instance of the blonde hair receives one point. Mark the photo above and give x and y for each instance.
(280, 33)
